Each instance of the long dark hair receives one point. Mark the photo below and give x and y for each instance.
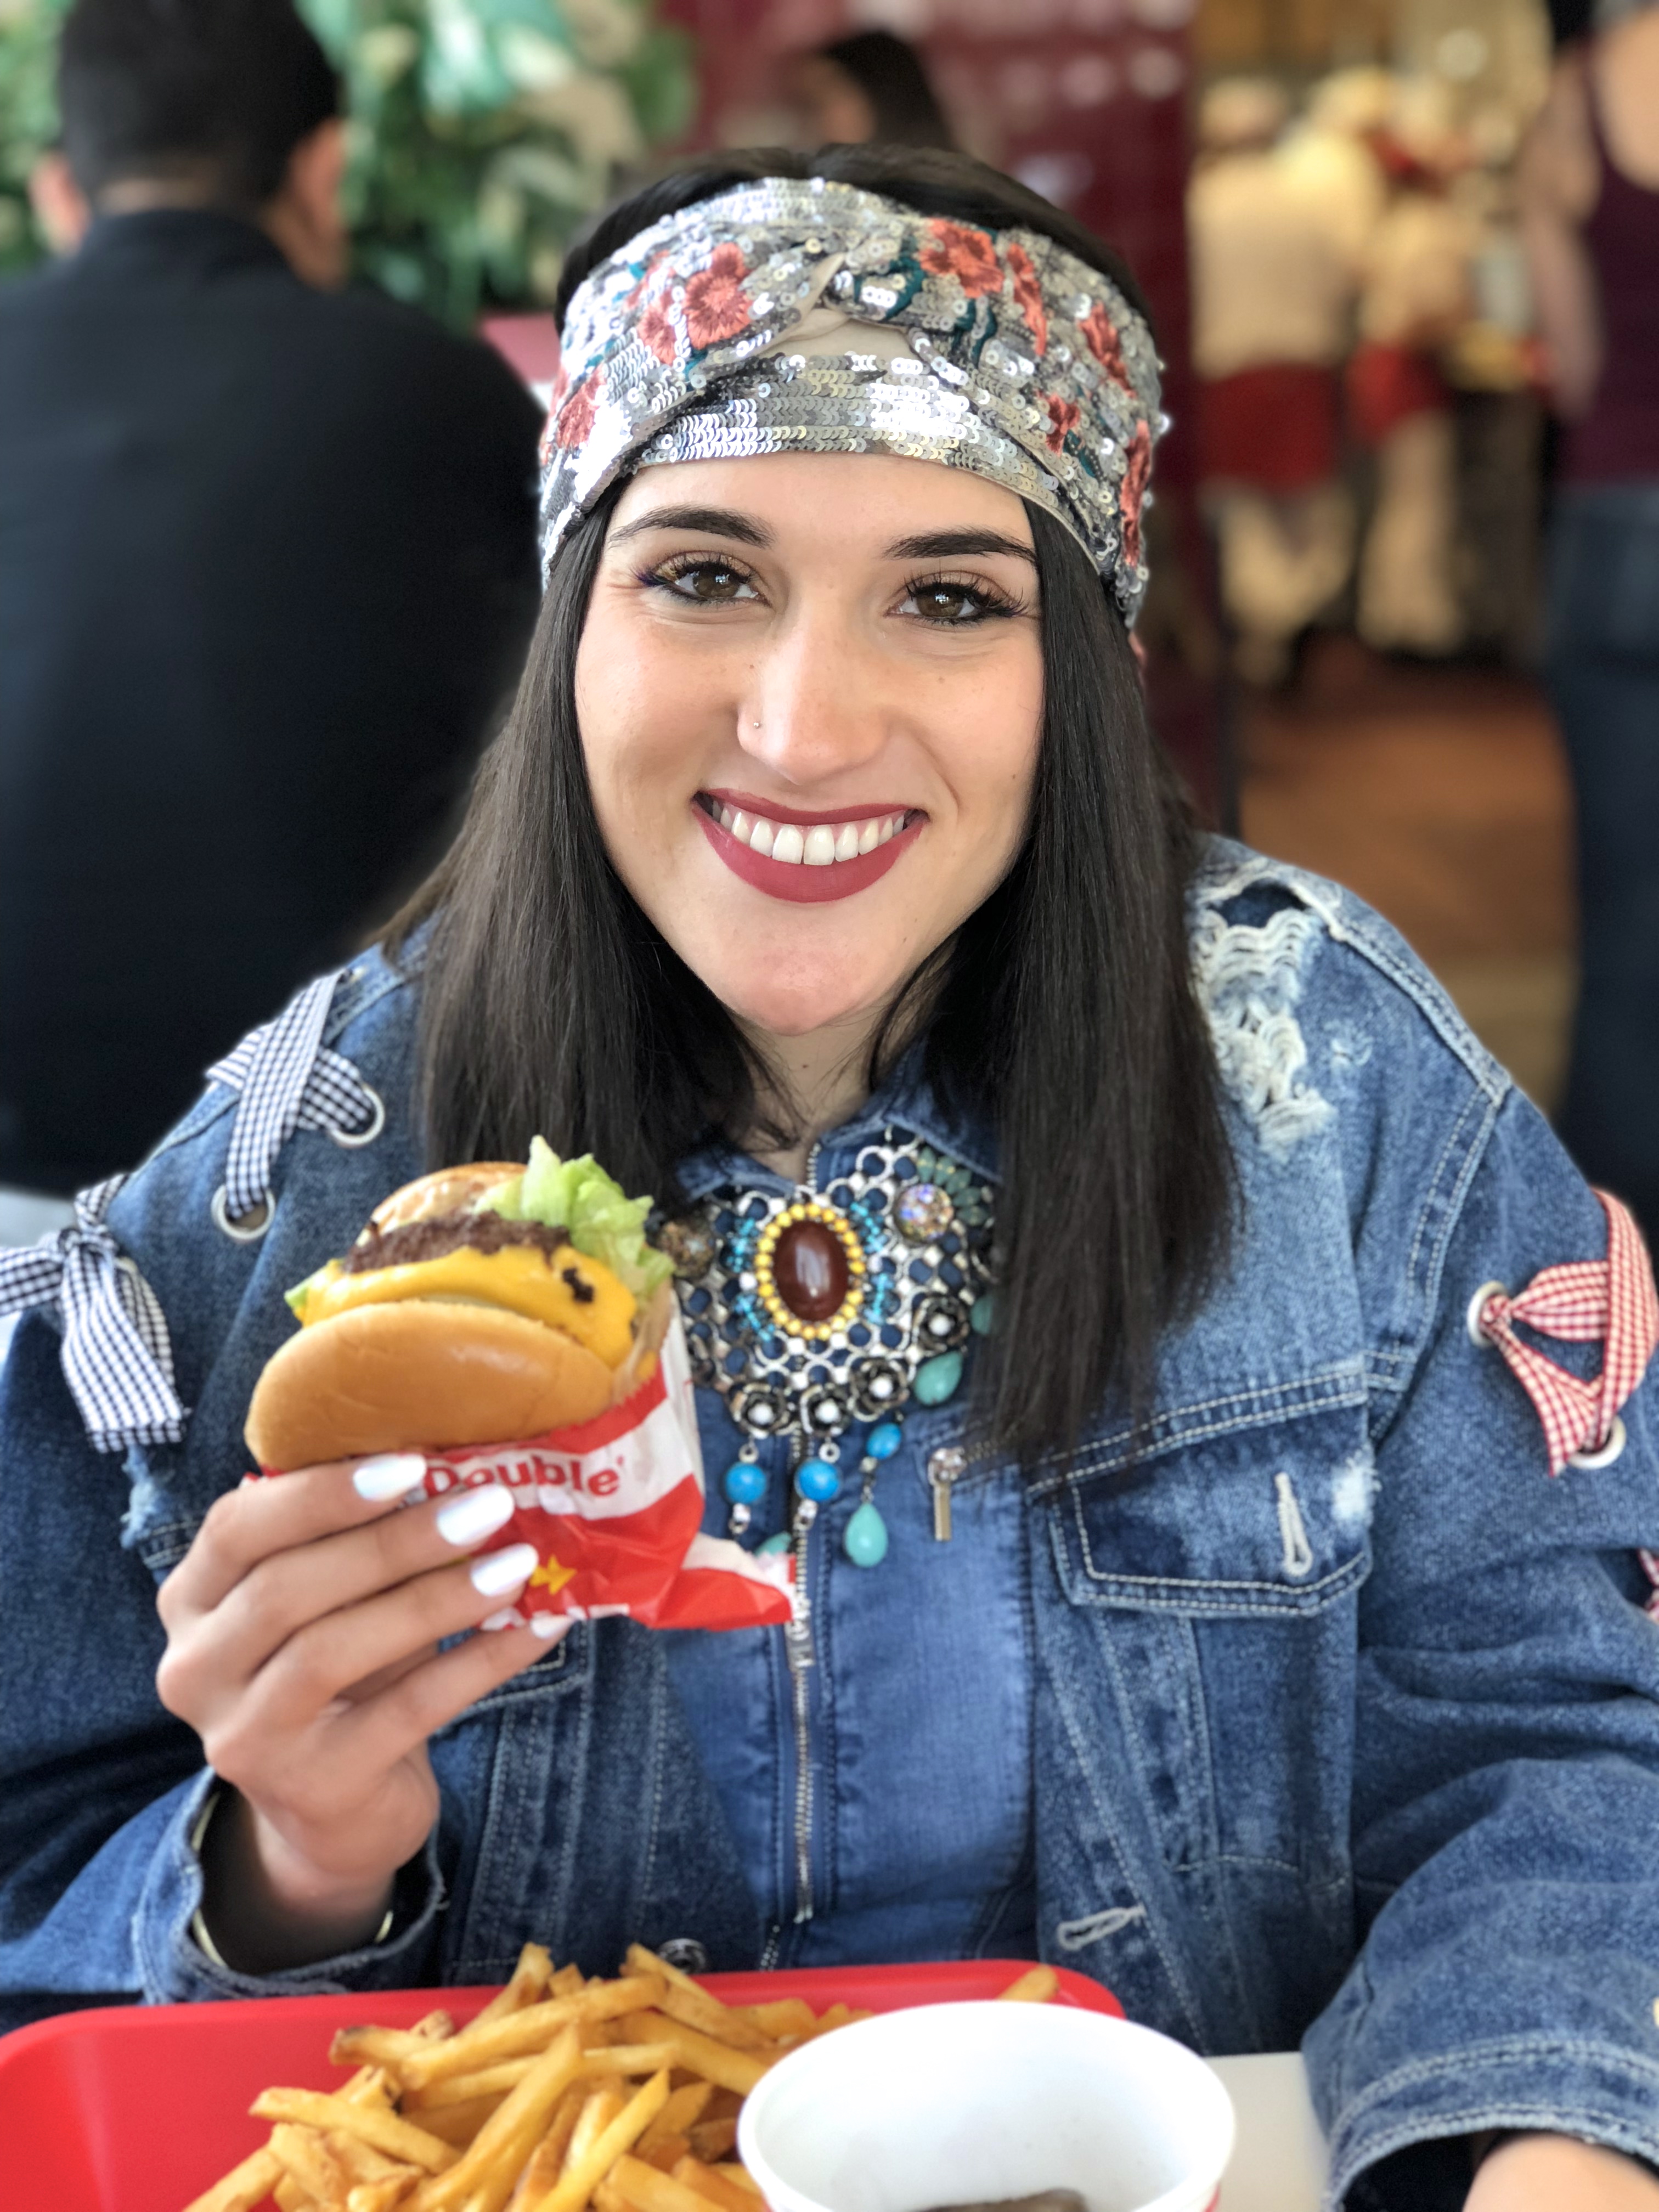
(1063, 1008)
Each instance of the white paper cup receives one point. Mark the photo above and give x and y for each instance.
(961, 2104)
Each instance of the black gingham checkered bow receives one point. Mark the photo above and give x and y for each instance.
(117, 1356)
(289, 1079)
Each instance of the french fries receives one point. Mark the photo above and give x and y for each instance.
(1036, 1986)
(562, 2095)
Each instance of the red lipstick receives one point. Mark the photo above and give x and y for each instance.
(794, 879)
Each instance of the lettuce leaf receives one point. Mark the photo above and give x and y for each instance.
(296, 1298)
(580, 1197)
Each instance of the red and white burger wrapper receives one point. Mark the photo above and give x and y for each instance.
(614, 1509)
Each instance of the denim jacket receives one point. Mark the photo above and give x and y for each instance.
(1344, 1727)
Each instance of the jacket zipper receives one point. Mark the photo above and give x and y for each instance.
(802, 1657)
(798, 1646)
(947, 1466)
(944, 1467)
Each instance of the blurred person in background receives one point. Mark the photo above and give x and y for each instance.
(1273, 275)
(266, 567)
(1590, 210)
(870, 86)
(1415, 298)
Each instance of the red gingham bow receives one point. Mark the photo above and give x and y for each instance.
(1612, 1300)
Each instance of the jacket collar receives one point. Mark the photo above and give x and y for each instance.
(905, 1099)
(176, 241)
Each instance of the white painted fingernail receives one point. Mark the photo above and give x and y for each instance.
(547, 1626)
(476, 1514)
(508, 1617)
(391, 1475)
(500, 1572)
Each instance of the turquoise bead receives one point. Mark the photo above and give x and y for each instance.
(866, 1540)
(775, 1544)
(884, 1440)
(937, 1378)
(983, 1318)
(744, 1483)
(818, 1479)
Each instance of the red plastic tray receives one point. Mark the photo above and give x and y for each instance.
(139, 2109)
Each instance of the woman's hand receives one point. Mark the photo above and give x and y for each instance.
(302, 1627)
(1552, 2173)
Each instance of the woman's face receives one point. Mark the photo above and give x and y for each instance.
(810, 691)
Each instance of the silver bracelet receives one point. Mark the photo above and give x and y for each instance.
(198, 1926)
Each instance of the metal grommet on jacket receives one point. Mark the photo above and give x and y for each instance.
(350, 1140)
(1605, 1453)
(248, 1228)
(288, 1079)
(686, 1953)
(1478, 1336)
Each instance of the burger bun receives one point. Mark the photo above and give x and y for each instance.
(421, 1374)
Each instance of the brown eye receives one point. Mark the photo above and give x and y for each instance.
(944, 603)
(711, 583)
(947, 602)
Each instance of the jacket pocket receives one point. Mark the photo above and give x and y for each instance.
(1263, 1520)
(1196, 1707)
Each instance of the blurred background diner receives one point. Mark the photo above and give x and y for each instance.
(1404, 627)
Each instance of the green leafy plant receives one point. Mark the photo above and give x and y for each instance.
(482, 131)
(28, 118)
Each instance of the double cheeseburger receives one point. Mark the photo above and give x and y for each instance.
(481, 1304)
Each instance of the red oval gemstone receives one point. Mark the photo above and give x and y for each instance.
(809, 1266)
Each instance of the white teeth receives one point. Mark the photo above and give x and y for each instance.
(813, 847)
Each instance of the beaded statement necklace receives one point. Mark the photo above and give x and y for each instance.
(810, 1313)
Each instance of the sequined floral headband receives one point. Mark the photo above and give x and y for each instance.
(788, 316)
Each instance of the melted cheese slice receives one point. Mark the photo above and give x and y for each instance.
(521, 1277)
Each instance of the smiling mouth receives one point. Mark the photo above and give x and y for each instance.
(810, 860)
(816, 844)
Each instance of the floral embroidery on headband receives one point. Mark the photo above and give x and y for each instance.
(657, 333)
(1105, 344)
(966, 255)
(1028, 294)
(716, 306)
(574, 423)
(679, 347)
(1064, 416)
(1133, 496)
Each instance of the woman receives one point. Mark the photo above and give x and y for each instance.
(1229, 1640)
(1589, 177)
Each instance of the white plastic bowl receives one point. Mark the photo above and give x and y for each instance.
(960, 2103)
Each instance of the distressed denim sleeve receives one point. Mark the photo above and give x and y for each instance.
(1506, 1795)
(100, 1788)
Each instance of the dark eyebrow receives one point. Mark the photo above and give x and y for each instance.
(712, 521)
(957, 545)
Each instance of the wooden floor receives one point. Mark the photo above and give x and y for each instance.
(1441, 796)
